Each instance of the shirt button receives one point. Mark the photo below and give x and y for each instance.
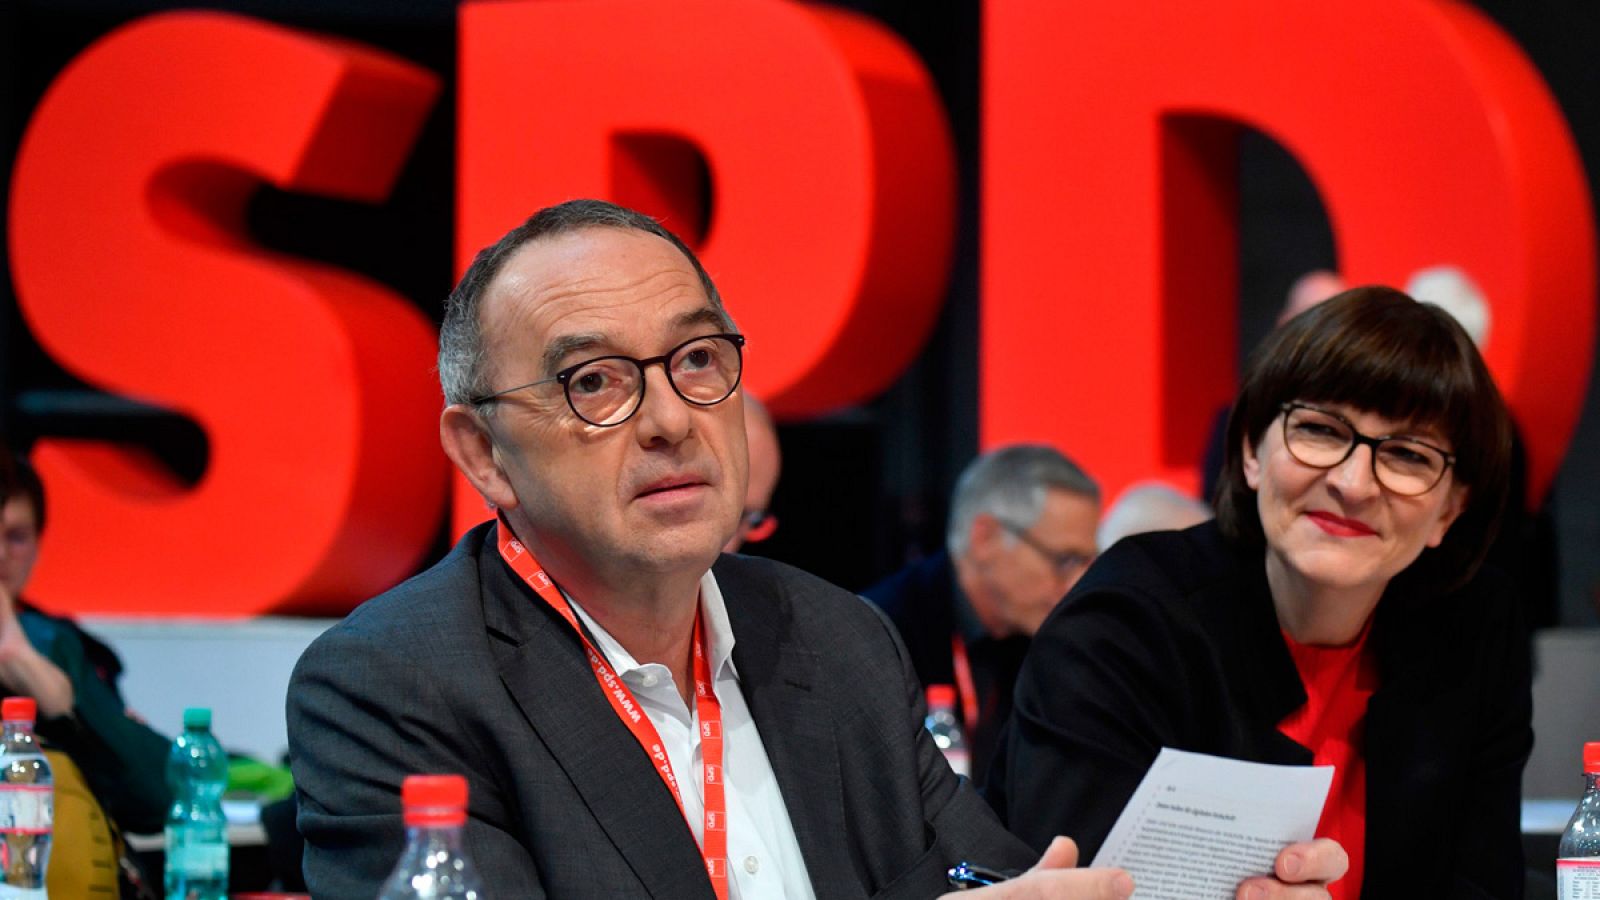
(752, 865)
(649, 679)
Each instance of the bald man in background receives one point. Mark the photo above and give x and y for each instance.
(757, 523)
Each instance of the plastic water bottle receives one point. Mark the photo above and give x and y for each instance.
(946, 731)
(433, 866)
(197, 831)
(1578, 856)
(27, 804)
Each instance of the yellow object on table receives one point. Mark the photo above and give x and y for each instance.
(83, 853)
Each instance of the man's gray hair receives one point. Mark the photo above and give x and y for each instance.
(463, 364)
(1149, 506)
(1011, 484)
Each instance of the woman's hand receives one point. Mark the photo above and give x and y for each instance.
(1303, 872)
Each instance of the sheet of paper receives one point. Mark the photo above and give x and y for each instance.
(1198, 825)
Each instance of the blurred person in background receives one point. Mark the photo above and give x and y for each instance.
(1526, 545)
(1306, 292)
(73, 676)
(1149, 506)
(757, 523)
(1335, 613)
(1021, 531)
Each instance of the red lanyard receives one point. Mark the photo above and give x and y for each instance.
(964, 685)
(714, 844)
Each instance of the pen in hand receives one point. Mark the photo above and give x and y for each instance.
(964, 875)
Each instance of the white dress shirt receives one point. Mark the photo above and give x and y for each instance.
(763, 856)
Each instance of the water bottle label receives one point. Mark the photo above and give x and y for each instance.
(1578, 879)
(26, 808)
(198, 861)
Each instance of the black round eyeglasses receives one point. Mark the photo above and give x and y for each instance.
(608, 390)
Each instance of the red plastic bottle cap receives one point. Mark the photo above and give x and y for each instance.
(1591, 757)
(18, 709)
(941, 695)
(433, 800)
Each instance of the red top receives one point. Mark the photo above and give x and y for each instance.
(1338, 682)
(434, 800)
(18, 709)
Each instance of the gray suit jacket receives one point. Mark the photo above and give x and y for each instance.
(462, 669)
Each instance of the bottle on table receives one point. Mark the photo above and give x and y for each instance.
(1578, 856)
(946, 730)
(433, 866)
(197, 831)
(27, 804)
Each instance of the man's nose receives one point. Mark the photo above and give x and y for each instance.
(663, 415)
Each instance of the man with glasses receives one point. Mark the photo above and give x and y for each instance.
(1021, 532)
(635, 716)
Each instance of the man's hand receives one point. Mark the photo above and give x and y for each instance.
(23, 670)
(13, 642)
(1054, 878)
(1303, 871)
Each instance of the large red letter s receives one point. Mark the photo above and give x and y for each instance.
(134, 271)
(1109, 236)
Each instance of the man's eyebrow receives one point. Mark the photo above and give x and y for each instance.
(566, 345)
(705, 315)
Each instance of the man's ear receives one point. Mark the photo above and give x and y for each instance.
(983, 535)
(466, 440)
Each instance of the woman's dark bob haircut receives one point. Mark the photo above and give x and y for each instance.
(1378, 350)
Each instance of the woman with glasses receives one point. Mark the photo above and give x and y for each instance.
(1334, 613)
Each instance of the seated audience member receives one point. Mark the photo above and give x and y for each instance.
(1525, 546)
(757, 523)
(1335, 613)
(73, 677)
(1453, 291)
(1021, 531)
(1307, 291)
(762, 732)
(1149, 506)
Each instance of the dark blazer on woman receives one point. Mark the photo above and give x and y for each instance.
(1171, 640)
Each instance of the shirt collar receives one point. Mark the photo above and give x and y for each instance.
(713, 612)
(719, 634)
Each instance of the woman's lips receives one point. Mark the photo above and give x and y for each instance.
(1339, 526)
